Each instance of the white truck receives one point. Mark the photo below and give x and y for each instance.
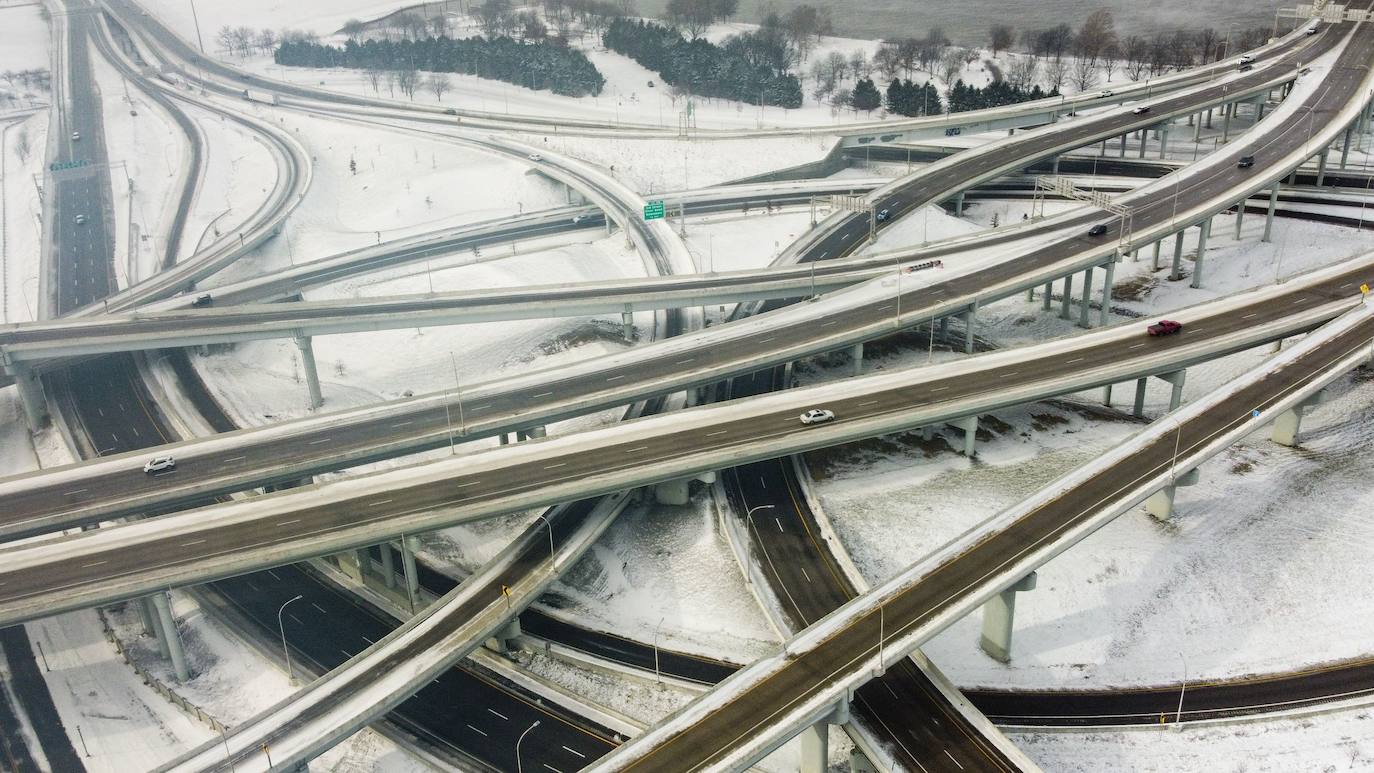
(264, 97)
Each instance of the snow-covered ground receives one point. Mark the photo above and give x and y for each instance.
(25, 47)
(22, 240)
(1120, 607)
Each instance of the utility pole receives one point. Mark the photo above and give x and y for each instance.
(199, 40)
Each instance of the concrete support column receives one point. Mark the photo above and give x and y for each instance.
(1144, 140)
(1048, 300)
(1176, 379)
(1321, 166)
(1161, 503)
(1345, 145)
(538, 432)
(1163, 140)
(1226, 112)
(858, 763)
(1240, 217)
(1204, 231)
(500, 641)
(673, 492)
(1138, 410)
(1289, 423)
(1197, 128)
(1176, 272)
(815, 748)
(1269, 216)
(1085, 303)
(31, 396)
(1123, 145)
(999, 616)
(409, 545)
(1209, 117)
(312, 373)
(970, 322)
(627, 324)
(1107, 395)
(171, 636)
(944, 327)
(1107, 293)
(1154, 259)
(1067, 299)
(148, 616)
(1054, 170)
(856, 359)
(388, 566)
(959, 205)
(969, 424)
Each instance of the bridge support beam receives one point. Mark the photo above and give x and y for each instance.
(1107, 293)
(1161, 503)
(148, 616)
(31, 396)
(959, 205)
(1345, 145)
(1240, 217)
(1226, 112)
(1197, 128)
(500, 642)
(1048, 300)
(1176, 379)
(1289, 423)
(970, 323)
(1269, 215)
(1176, 271)
(815, 741)
(1138, 410)
(312, 373)
(969, 424)
(388, 566)
(673, 492)
(1163, 140)
(1154, 257)
(409, 545)
(1204, 231)
(1123, 144)
(999, 614)
(1068, 297)
(856, 359)
(1085, 304)
(1321, 166)
(171, 636)
(627, 325)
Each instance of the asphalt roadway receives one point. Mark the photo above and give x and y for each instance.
(846, 651)
(383, 434)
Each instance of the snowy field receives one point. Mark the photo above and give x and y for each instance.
(25, 39)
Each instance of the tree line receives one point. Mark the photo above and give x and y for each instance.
(534, 64)
(752, 67)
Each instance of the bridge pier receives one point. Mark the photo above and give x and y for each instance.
(1161, 503)
(1209, 117)
(858, 763)
(539, 431)
(1321, 166)
(856, 359)
(1197, 128)
(969, 424)
(312, 373)
(1154, 258)
(1240, 217)
(944, 327)
(1345, 145)
(1048, 300)
(1123, 144)
(1138, 410)
(959, 205)
(1144, 140)
(171, 636)
(500, 641)
(388, 566)
(409, 545)
(1226, 111)
(1085, 303)
(970, 322)
(1269, 215)
(1204, 231)
(627, 325)
(1176, 271)
(30, 387)
(1163, 140)
(1106, 310)
(999, 615)
(1177, 380)
(673, 492)
(815, 740)
(148, 616)
(1067, 299)
(1289, 423)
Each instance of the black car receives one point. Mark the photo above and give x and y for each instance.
(1246, 162)
(202, 301)
(1098, 230)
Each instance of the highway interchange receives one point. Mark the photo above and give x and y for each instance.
(859, 322)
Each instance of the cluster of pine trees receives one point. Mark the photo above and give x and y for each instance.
(963, 97)
(907, 98)
(749, 68)
(539, 65)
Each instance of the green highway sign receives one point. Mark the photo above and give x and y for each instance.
(653, 210)
(59, 166)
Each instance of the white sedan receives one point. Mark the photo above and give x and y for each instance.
(817, 416)
(159, 463)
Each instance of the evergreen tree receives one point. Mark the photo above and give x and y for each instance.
(866, 96)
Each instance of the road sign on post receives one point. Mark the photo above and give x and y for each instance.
(653, 210)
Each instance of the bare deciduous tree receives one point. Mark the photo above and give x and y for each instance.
(1021, 74)
(438, 84)
(951, 64)
(1001, 36)
(1056, 72)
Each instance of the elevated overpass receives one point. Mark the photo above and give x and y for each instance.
(124, 561)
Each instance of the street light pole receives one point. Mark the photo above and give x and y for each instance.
(658, 675)
(546, 523)
(1178, 716)
(520, 768)
(458, 390)
(749, 516)
(282, 629)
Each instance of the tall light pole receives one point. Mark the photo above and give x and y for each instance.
(1178, 716)
(519, 767)
(546, 523)
(282, 629)
(458, 390)
(658, 675)
(749, 516)
(196, 19)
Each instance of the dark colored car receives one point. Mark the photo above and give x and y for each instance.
(1141, 109)
(1098, 230)
(202, 301)
(1246, 162)
(1165, 327)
